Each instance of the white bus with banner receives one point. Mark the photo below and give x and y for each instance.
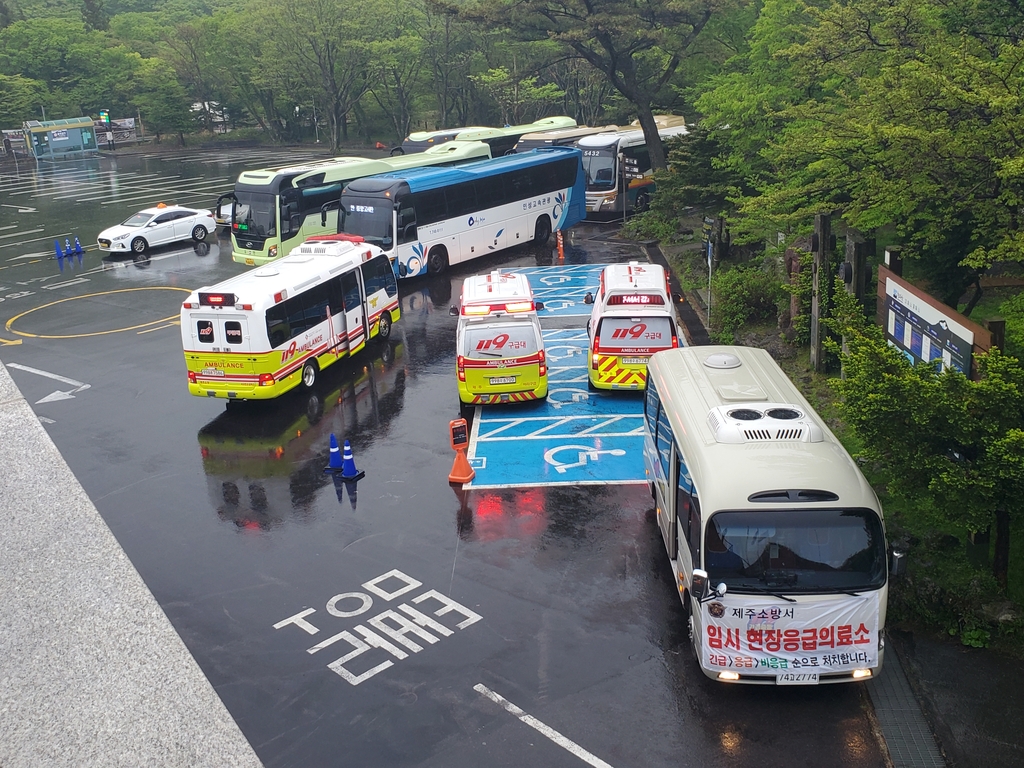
(776, 539)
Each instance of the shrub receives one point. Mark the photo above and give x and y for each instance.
(744, 294)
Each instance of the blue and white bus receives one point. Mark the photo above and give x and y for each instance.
(445, 216)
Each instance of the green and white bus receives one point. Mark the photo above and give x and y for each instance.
(272, 210)
(775, 538)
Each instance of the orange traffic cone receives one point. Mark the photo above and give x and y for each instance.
(461, 471)
(561, 244)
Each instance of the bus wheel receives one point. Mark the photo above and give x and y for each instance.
(688, 614)
(384, 326)
(643, 202)
(437, 260)
(138, 245)
(542, 231)
(309, 371)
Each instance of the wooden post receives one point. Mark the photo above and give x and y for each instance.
(998, 328)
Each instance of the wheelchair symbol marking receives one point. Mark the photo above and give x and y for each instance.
(583, 454)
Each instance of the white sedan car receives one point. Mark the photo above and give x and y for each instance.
(157, 226)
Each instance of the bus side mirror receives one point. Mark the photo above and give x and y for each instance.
(897, 563)
(453, 311)
(589, 298)
(699, 583)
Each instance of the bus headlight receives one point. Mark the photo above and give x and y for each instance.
(273, 252)
(860, 674)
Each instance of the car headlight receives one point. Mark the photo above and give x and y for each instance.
(121, 237)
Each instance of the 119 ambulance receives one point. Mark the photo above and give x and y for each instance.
(264, 332)
(632, 319)
(499, 346)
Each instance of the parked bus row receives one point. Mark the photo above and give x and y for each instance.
(272, 210)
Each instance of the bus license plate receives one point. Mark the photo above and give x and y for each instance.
(212, 372)
(797, 678)
(503, 380)
(634, 360)
(250, 262)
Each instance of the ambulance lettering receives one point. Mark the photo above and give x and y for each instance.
(295, 348)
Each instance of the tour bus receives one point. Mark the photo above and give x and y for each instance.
(445, 216)
(257, 335)
(501, 140)
(562, 137)
(775, 538)
(632, 318)
(618, 166)
(272, 210)
(498, 343)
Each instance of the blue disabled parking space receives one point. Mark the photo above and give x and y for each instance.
(562, 288)
(576, 437)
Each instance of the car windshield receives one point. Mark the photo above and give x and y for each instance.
(138, 220)
(788, 550)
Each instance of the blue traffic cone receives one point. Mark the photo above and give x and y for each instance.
(348, 469)
(60, 255)
(78, 250)
(334, 465)
(67, 248)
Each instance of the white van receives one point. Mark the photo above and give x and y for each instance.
(499, 346)
(633, 318)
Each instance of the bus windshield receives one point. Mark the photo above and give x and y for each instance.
(599, 165)
(255, 214)
(370, 218)
(818, 550)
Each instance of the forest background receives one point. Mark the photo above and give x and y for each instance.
(903, 119)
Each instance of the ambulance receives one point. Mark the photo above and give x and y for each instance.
(261, 333)
(499, 347)
(632, 318)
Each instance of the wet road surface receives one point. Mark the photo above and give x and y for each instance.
(394, 622)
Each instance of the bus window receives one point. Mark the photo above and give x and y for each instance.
(406, 222)
(492, 194)
(664, 443)
(430, 207)
(462, 198)
(350, 289)
(641, 157)
(688, 509)
(379, 276)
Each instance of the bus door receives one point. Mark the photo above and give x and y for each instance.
(356, 331)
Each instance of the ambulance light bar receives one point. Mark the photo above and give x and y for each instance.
(635, 298)
(486, 309)
(216, 299)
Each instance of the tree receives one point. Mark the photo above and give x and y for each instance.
(515, 94)
(163, 103)
(20, 98)
(638, 46)
(938, 436)
(321, 48)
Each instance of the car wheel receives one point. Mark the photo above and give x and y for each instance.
(199, 233)
(384, 326)
(139, 245)
(642, 203)
(542, 232)
(437, 260)
(397, 151)
(309, 371)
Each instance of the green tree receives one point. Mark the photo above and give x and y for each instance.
(163, 103)
(20, 99)
(939, 436)
(517, 95)
(638, 47)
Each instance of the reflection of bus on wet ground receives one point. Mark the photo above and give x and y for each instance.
(265, 462)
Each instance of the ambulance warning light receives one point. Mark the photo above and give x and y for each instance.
(217, 299)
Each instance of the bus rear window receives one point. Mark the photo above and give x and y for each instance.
(506, 340)
(635, 333)
(204, 330)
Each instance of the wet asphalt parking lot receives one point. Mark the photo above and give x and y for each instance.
(397, 621)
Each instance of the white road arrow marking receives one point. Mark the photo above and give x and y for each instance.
(21, 208)
(59, 394)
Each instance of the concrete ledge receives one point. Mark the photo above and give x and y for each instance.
(92, 671)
